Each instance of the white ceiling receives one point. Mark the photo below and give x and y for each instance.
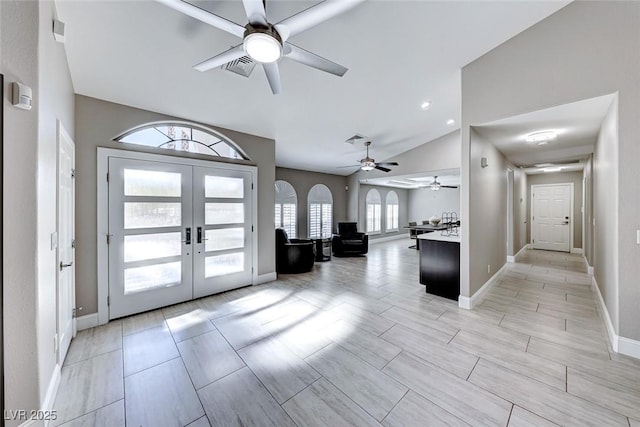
(399, 53)
(577, 125)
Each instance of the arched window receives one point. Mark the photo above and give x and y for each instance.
(320, 211)
(182, 136)
(374, 203)
(286, 207)
(392, 211)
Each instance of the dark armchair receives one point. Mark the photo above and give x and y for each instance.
(348, 241)
(293, 255)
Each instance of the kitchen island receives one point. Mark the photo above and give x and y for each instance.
(440, 264)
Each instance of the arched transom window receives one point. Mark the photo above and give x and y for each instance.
(392, 211)
(374, 203)
(320, 211)
(286, 207)
(187, 137)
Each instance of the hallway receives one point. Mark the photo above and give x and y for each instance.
(358, 342)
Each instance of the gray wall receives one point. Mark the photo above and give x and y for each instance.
(403, 202)
(31, 56)
(97, 123)
(520, 207)
(440, 155)
(560, 178)
(588, 209)
(19, 63)
(487, 225)
(424, 203)
(597, 56)
(608, 268)
(302, 181)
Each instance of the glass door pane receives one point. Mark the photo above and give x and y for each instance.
(223, 240)
(150, 259)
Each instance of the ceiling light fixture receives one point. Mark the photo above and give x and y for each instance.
(425, 105)
(551, 169)
(263, 47)
(367, 165)
(541, 137)
(450, 122)
(435, 186)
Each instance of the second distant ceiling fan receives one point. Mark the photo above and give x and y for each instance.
(264, 42)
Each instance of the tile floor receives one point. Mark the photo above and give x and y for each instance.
(358, 342)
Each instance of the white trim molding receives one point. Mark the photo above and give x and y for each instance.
(87, 321)
(265, 278)
(619, 344)
(514, 258)
(577, 251)
(469, 302)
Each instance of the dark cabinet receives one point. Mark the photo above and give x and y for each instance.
(440, 267)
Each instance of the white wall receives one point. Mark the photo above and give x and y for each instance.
(584, 50)
(425, 203)
(19, 62)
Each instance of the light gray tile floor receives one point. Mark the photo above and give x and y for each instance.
(355, 342)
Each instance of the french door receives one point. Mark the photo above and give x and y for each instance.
(176, 232)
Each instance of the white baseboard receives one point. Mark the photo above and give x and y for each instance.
(511, 258)
(590, 270)
(389, 238)
(87, 321)
(265, 278)
(470, 302)
(619, 344)
(577, 251)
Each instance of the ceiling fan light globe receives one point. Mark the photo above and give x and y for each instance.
(367, 166)
(262, 48)
(435, 186)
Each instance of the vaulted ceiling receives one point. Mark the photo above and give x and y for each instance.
(399, 54)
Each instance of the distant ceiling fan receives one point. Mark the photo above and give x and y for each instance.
(368, 163)
(435, 185)
(264, 42)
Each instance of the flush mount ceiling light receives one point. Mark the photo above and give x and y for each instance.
(263, 46)
(450, 122)
(425, 105)
(551, 169)
(542, 137)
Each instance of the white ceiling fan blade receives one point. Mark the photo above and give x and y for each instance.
(204, 16)
(305, 57)
(221, 59)
(255, 12)
(313, 16)
(273, 75)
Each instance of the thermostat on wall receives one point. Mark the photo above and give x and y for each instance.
(21, 96)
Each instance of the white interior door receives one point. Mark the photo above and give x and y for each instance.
(222, 203)
(151, 235)
(65, 248)
(551, 216)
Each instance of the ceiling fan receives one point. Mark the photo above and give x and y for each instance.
(435, 185)
(265, 42)
(368, 163)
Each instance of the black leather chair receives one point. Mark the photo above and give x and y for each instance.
(348, 241)
(293, 255)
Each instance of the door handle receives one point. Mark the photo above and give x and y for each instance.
(63, 265)
(566, 222)
(187, 239)
(199, 238)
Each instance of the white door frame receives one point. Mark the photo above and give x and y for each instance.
(61, 352)
(571, 219)
(103, 209)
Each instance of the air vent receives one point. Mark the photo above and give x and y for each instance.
(242, 66)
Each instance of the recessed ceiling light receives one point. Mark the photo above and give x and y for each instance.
(450, 122)
(543, 142)
(425, 105)
(542, 136)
